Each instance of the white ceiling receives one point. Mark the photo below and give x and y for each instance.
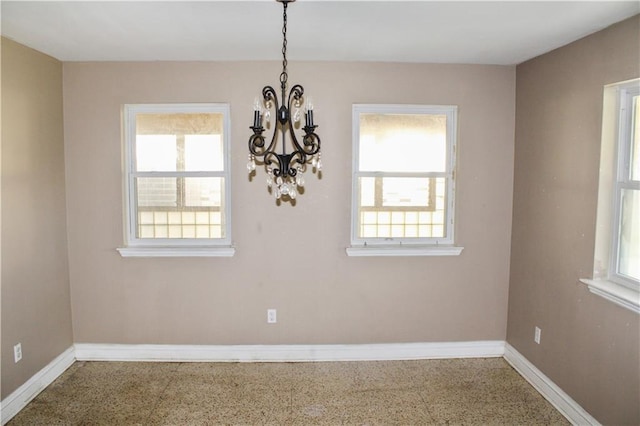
(505, 32)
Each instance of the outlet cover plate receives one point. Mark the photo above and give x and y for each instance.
(17, 352)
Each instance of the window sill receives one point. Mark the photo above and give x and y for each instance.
(616, 293)
(360, 251)
(225, 251)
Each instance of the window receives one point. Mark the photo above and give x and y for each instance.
(626, 241)
(177, 180)
(616, 273)
(403, 180)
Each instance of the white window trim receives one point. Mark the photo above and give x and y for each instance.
(176, 251)
(404, 250)
(193, 247)
(605, 282)
(614, 292)
(405, 246)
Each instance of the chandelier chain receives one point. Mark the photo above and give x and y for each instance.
(284, 76)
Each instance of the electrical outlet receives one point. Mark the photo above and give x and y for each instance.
(272, 316)
(536, 335)
(17, 352)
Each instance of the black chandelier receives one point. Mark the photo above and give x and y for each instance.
(284, 170)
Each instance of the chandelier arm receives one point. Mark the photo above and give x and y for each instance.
(297, 157)
(294, 95)
(269, 95)
(311, 141)
(257, 141)
(270, 158)
(282, 163)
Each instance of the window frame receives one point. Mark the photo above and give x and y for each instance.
(409, 246)
(625, 112)
(605, 281)
(172, 247)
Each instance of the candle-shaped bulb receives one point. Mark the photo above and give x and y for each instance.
(257, 118)
(309, 115)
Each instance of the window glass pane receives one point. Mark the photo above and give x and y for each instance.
(405, 191)
(156, 153)
(367, 191)
(179, 141)
(180, 207)
(635, 140)
(203, 153)
(174, 192)
(629, 243)
(403, 142)
(203, 191)
(160, 192)
(404, 208)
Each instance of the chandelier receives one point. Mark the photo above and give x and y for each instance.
(285, 169)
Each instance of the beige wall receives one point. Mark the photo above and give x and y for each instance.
(589, 346)
(289, 258)
(36, 307)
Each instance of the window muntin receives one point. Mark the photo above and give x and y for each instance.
(403, 174)
(177, 175)
(626, 225)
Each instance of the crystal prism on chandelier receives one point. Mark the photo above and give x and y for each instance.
(285, 170)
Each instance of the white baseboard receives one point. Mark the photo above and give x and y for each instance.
(288, 353)
(17, 400)
(549, 390)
